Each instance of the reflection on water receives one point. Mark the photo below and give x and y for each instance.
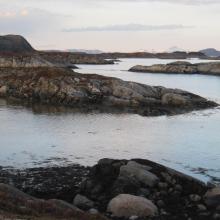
(45, 135)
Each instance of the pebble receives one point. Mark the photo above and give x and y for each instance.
(216, 216)
(195, 198)
(162, 185)
(201, 207)
(178, 187)
(160, 203)
(93, 211)
(133, 217)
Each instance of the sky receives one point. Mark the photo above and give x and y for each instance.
(113, 25)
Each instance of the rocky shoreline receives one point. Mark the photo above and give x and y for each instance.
(180, 67)
(63, 87)
(154, 192)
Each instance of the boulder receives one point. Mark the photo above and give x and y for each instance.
(212, 197)
(125, 205)
(140, 173)
(83, 202)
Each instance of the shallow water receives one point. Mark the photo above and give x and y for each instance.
(189, 143)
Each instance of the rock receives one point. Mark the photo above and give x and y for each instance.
(93, 211)
(212, 197)
(216, 216)
(83, 202)
(201, 208)
(139, 172)
(211, 68)
(25, 61)
(195, 198)
(14, 44)
(160, 204)
(125, 205)
(178, 187)
(57, 86)
(3, 91)
(162, 185)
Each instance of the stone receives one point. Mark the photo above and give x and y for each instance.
(83, 202)
(160, 204)
(139, 172)
(212, 197)
(93, 211)
(216, 216)
(162, 185)
(133, 217)
(201, 208)
(3, 91)
(178, 187)
(125, 205)
(195, 198)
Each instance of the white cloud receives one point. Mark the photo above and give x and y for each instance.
(129, 27)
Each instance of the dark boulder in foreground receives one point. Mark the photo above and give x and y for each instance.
(212, 68)
(126, 194)
(14, 44)
(59, 86)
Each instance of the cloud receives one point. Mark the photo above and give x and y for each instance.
(28, 21)
(191, 2)
(128, 27)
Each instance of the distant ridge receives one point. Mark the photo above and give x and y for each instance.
(85, 51)
(211, 52)
(14, 44)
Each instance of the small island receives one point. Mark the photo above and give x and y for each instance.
(180, 67)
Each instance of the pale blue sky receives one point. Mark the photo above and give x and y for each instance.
(113, 25)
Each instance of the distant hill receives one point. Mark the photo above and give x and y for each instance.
(175, 49)
(211, 52)
(14, 44)
(85, 51)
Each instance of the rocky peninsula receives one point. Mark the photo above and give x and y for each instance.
(102, 192)
(180, 67)
(63, 87)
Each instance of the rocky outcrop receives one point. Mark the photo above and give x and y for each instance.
(59, 86)
(14, 44)
(69, 59)
(212, 68)
(31, 60)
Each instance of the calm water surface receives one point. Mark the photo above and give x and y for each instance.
(189, 143)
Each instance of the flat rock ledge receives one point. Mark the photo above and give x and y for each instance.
(112, 189)
(181, 67)
(63, 87)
